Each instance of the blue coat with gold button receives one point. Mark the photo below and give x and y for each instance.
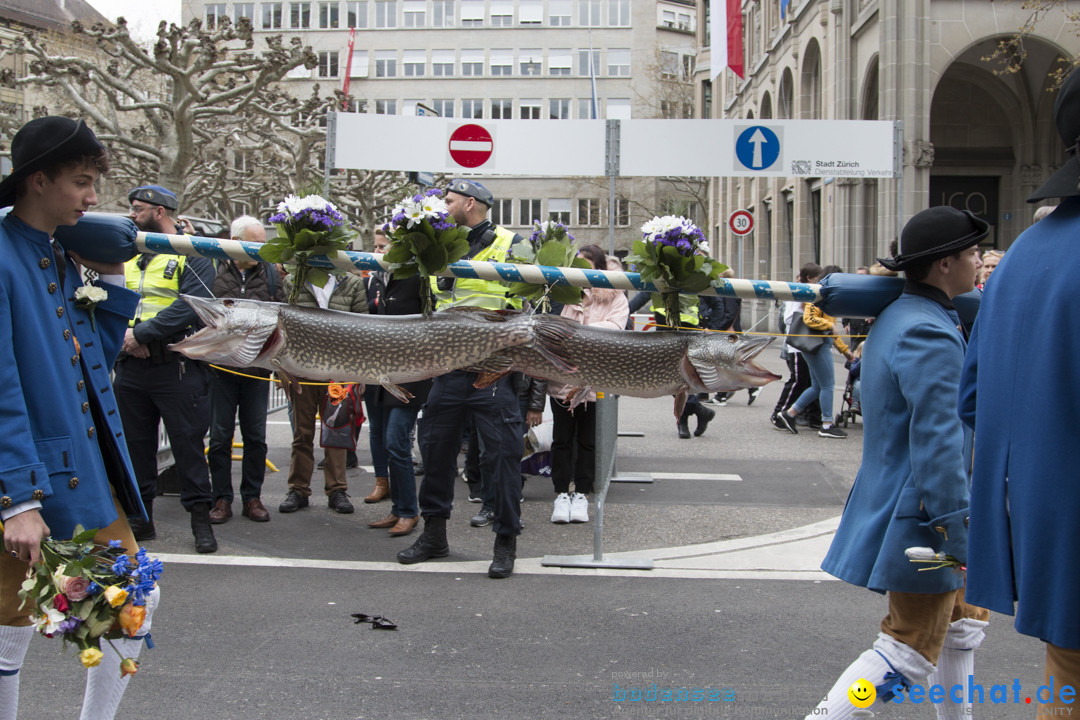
(912, 488)
(61, 440)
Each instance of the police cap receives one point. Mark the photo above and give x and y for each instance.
(155, 195)
(473, 189)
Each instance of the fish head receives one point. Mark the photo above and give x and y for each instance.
(238, 332)
(718, 362)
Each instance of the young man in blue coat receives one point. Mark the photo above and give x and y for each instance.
(1020, 393)
(912, 486)
(63, 458)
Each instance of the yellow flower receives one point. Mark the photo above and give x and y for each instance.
(116, 596)
(90, 657)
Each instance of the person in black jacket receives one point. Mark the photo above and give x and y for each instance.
(241, 389)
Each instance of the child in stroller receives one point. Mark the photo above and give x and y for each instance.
(850, 407)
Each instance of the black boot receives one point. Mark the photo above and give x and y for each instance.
(684, 429)
(430, 544)
(144, 529)
(505, 554)
(200, 528)
(704, 415)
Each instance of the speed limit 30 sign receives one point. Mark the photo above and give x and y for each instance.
(741, 222)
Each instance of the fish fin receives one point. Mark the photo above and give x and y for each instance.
(487, 379)
(290, 383)
(485, 313)
(680, 403)
(577, 396)
(552, 332)
(397, 391)
(491, 370)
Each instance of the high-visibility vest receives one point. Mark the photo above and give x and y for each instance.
(688, 310)
(469, 292)
(158, 292)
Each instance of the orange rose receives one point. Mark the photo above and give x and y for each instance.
(131, 618)
(128, 666)
(337, 392)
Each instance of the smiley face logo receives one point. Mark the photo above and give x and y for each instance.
(861, 693)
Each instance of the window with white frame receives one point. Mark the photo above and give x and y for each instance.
(560, 61)
(358, 68)
(584, 57)
(271, 15)
(531, 12)
(589, 12)
(559, 108)
(413, 12)
(669, 64)
(215, 13)
(588, 212)
(502, 61)
(329, 19)
(385, 13)
(529, 109)
(559, 12)
(442, 13)
(472, 63)
(442, 63)
(300, 15)
(502, 212)
(356, 14)
(386, 107)
(618, 109)
(559, 210)
(472, 13)
(530, 211)
(502, 13)
(445, 108)
(502, 109)
(586, 110)
(688, 66)
(472, 108)
(683, 21)
(328, 64)
(415, 63)
(244, 10)
(385, 63)
(618, 62)
(619, 13)
(622, 212)
(530, 61)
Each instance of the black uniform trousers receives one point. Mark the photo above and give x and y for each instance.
(176, 392)
(499, 426)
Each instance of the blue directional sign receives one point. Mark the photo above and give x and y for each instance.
(757, 148)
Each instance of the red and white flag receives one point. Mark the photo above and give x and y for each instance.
(726, 32)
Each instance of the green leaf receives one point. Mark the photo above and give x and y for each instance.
(566, 294)
(82, 536)
(305, 239)
(432, 260)
(405, 271)
(399, 252)
(554, 254)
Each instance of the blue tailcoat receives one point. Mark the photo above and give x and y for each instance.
(1020, 391)
(49, 441)
(913, 477)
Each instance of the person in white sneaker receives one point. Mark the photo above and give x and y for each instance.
(573, 438)
(913, 487)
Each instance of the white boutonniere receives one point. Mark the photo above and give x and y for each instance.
(87, 298)
(932, 557)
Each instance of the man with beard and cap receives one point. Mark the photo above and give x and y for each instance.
(154, 384)
(495, 410)
(1020, 393)
(912, 486)
(63, 461)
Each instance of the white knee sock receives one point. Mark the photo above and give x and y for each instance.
(104, 685)
(887, 656)
(13, 644)
(956, 664)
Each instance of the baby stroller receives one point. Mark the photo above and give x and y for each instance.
(849, 403)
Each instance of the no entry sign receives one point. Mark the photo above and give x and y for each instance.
(471, 146)
(741, 222)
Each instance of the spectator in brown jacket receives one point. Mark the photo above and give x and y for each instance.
(241, 389)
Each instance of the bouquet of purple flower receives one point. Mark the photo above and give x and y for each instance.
(549, 245)
(674, 254)
(84, 592)
(423, 239)
(306, 227)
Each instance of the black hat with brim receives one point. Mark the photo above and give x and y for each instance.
(935, 233)
(1066, 181)
(42, 143)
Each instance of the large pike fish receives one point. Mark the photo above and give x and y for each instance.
(642, 364)
(316, 344)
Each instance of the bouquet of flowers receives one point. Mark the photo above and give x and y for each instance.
(423, 239)
(550, 244)
(930, 556)
(674, 254)
(84, 592)
(306, 227)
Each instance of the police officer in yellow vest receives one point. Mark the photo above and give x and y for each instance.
(155, 384)
(495, 410)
